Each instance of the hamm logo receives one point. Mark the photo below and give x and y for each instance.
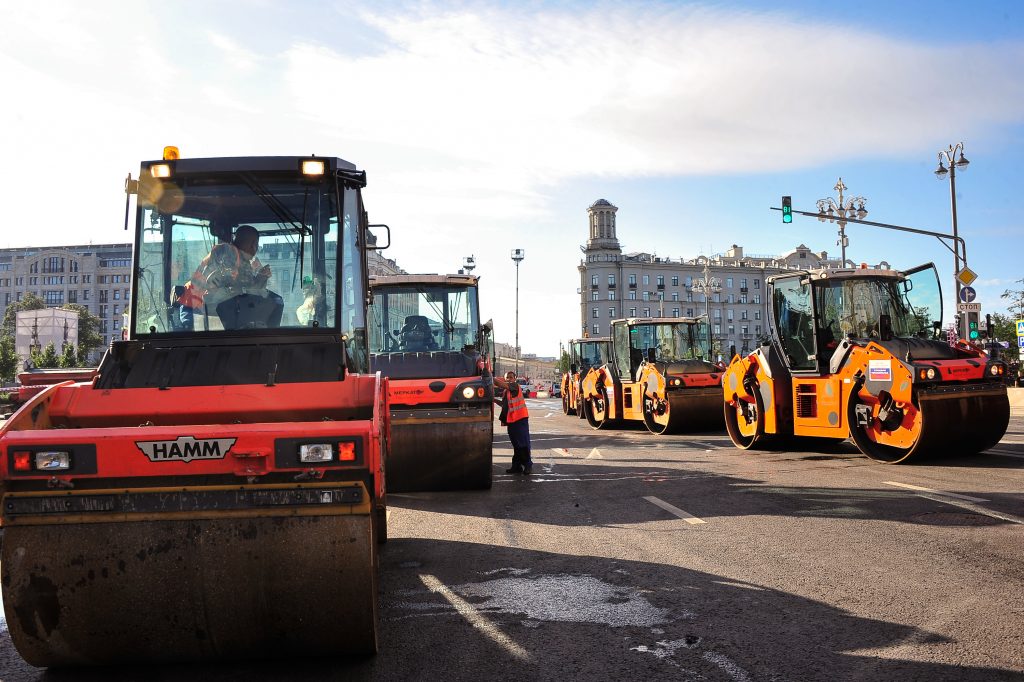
(185, 449)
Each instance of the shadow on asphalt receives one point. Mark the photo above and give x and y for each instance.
(547, 616)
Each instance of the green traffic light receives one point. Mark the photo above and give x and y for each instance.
(787, 209)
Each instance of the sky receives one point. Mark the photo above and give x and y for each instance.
(489, 126)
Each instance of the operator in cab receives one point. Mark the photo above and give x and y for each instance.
(232, 282)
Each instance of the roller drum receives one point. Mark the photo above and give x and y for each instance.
(950, 424)
(689, 410)
(447, 451)
(179, 590)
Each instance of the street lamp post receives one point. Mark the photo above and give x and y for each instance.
(954, 156)
(708, 285)
(517, 257)
(468, 264)
(838, 211)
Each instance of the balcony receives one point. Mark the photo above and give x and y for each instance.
(594, 287)
(743, 290)
(632, 285)
(611, 285)
(661, 287)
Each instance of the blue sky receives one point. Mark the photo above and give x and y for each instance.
(488, 126)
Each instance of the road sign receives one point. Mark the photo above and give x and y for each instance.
(968, 294)
(966, 276)
(1020, 342)
(968, 307)
(1020, 327)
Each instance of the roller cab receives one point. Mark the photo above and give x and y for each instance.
(426, 338)
(216, 490)
(860, 353)
(658, 374)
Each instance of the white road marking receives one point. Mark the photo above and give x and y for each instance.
(595, 454)
(475, 618)
(977, 509)
(731, 669)
(561, 452)
(689, 518)
(1004, 454)
(943, 493)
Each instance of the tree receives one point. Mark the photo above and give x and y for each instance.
(68, 358)
(30, 302)
(563, 362)
(46, 358)
(8, 359)
(89, 336)
(1016, 304)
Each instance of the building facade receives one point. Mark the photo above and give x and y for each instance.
(97, 276)
(729, 288)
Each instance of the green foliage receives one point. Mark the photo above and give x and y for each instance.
(1016, 302)
(1004, 328)
(46, 358)
(563, 362)
(8, 359)
(29, 302)
(89, 336)
(68, 358)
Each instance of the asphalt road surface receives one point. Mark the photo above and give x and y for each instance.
(628, 555)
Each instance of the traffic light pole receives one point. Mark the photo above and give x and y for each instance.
(941, 236)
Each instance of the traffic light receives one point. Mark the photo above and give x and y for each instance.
(787, 209)
(973, 327)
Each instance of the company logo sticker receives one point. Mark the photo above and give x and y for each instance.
(879, 370)
(185, 449)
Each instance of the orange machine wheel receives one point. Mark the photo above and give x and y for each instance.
(744, 419)
(596, 409)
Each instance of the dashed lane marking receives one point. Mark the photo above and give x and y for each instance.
(942, 493)
(685, 516)
(1001, 453)
(475, 618)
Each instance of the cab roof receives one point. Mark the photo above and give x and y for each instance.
(407, 280)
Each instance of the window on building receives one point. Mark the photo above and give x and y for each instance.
(717, 298)
(661, 280)
(757, 298)
(632, 280)
(34, 267)
(757, 314)
(595, 313)
(728, 282)
(647, 295)
(596, 329)
(33, 280)
(757, 284)
(611, 313)
(104, 295)
(743, 298)
(675, 280)
(675, 312)
(103, 311)
(729, 298)
(104, 326)
(732, 329)
(647, 312)
(728, 314)
(611, 280)
(743, 283)
(86, 279)
(19, 281)
(647, 280)
(53, 297)
(632, 312)
(689, 312)
(7, 298)
(117, 294)
(17, 296)
(757, 329)
(718, 314)
(611, 295)
(74, 266)
(689, 281)
(632, 295)
(127, 294)
(595, 295)
(718, 329)
(675, 295)
(85, 294)
(117, 310)
(127, 279)
(745, 330)
(593, 280)
(689, 297)
(73, 296)
(743, 314)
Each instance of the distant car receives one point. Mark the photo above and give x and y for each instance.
(556, 391)
(528, 390)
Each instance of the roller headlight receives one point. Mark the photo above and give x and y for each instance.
(677, 382)
(468, 392)
(927, 373)
(160, 170)
(316, 452)
(53, 460)
(995, 370)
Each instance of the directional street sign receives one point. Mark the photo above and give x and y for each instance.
(968, 294)
(1020, 327)
(968, 307)
(966, 276)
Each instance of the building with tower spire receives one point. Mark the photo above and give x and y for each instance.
(616, 285)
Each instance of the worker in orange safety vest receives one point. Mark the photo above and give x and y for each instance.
(516, 418)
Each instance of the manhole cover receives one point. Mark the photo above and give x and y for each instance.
(954, 519)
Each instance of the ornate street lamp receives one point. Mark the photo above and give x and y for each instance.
(838, 211)
(517, 257)
(708, 285)
(468, 263)
(954, 157)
